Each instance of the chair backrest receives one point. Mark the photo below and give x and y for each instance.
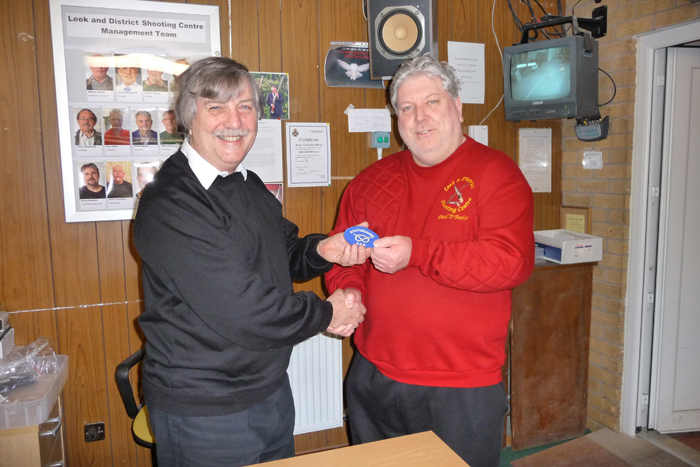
(140, 427)
(121, 375)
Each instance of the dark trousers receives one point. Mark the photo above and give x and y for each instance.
(468, 420)
(261, 433)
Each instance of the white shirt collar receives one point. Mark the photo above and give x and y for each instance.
(203, 170)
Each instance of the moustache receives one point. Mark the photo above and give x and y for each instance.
(230, 133)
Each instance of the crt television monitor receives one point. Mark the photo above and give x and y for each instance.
(556, 78)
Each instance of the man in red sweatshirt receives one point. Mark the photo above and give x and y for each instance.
(455, 221)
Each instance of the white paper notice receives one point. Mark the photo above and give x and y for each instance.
(265, 157)
(536, 158)
(468, 61)
(367, 120)
(308, 154)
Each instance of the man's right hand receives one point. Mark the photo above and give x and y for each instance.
(348, 312)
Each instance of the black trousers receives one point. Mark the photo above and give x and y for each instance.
(261, 433)
(468, 420)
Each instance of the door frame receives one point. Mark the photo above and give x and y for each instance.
(635, 344)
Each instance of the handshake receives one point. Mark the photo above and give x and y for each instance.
(348, 312)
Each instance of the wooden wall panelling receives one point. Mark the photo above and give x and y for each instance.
(76, 280)
(445, 26)
(85, 395)
(134, 288)
(464, 19)
(300, 59)
(25, 272)
(244, 32)
(300, 45)
(269, 59)
(500, 131)
(270, 40)
(340, 21)
(116, 334)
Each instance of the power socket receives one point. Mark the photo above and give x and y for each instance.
(480, 133)
(94, 432)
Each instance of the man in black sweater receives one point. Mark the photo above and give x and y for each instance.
(219, 259)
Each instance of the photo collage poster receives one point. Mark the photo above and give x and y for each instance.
(117, 74)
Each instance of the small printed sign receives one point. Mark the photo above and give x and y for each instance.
(360, 236)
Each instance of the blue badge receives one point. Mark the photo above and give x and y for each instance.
(360, 236)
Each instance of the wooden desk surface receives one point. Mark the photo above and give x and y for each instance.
(416, 450)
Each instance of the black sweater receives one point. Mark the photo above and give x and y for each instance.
(221, 315)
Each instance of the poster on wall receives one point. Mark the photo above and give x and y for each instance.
(116, 68)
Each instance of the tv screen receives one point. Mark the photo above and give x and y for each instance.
(541, 74)
(555, 78)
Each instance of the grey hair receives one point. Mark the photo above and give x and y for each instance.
(94, 117)
(212, 78)
(425, 65)
(116, 111)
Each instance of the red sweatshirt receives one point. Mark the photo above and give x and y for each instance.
(443, 320)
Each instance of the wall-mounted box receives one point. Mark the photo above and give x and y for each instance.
(567, 247)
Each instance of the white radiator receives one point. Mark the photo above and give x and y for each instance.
(316, 375)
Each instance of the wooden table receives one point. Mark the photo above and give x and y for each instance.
(416, 450)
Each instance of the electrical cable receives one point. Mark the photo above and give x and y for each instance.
(516, 20)
(573, 8)
(498, 46)
(614, 88)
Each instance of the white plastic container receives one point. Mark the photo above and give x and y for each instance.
(31, 405)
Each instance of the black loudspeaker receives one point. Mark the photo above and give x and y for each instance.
(399, 31)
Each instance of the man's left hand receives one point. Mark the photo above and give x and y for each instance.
(336, 250)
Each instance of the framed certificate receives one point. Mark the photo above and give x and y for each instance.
(576, 219)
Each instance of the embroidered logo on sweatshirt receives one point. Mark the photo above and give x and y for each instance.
(457, 198)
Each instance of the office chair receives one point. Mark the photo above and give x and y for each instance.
(140, 427)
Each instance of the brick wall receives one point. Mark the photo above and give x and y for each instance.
(607, 191)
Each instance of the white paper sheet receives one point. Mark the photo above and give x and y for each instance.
(367, 120)
(468, 61)
(265, 157)
(536, 158)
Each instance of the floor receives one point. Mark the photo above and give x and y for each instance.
(689, 439)
(607, 448)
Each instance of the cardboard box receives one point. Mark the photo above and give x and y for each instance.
(567, 247)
